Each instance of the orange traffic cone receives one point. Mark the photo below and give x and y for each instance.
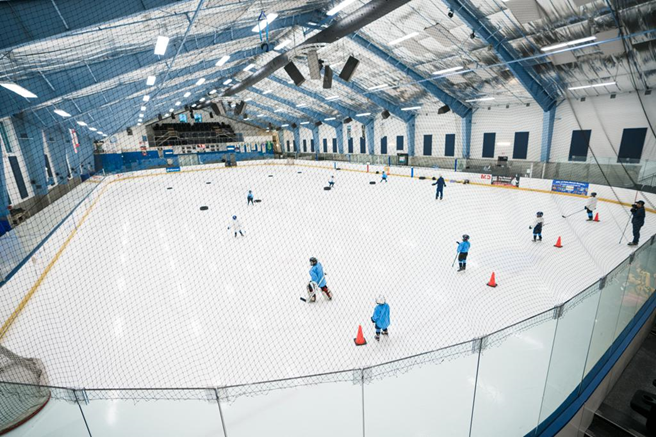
(493, 282)
(596, 219)
(359, 340)
(558, 243)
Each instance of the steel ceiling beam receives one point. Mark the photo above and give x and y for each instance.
(486, 31)
(456, 106)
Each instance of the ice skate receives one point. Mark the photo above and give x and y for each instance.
(377, 337)
(385, 333)
(328, 294)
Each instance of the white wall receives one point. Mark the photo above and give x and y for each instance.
(505, 122)
(430, 123)
(607, 118)
(121, 141)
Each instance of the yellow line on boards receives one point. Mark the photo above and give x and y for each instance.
(26, 298)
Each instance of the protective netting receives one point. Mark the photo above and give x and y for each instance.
(173, 169)
(23, 390)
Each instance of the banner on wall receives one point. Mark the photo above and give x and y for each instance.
(485, 179)
(74, 140)
(172, 169)
(511, 181)
(571, 187)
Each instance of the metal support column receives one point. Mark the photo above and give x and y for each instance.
(548, 119)
(30, 139)
(466, 135)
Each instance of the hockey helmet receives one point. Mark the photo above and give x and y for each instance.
(540, 214)
(234, 217)
(313, 260)
(465, 237)
(380, 300)
(593, 194)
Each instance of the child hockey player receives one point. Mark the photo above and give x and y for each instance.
(250, 198)
(384, 179)
(440, 187)
(317, 280)
(381, 317)
(591, 205)
(331, 182)
(537, 226)
(236, 226)
(463, 251)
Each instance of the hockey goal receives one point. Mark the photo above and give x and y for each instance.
(22, 391)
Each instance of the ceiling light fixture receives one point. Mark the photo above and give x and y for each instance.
(403, 38)
(202, 99)
(378, 87)
(248, 100)
(482, 99)
(178, 103)
(279, 110)
(222, 61)
(582, 87)
(146, 98)
(284, 125)
(151, 80)
(410, 108)
(567, 44)
(448, 70)
(364, 114)
(305, 122)
(266, 92)
(263, 24)
(339, 7)
(200, 81)
(330, 119)
(301, 105)
(141, 115)
(213, 92)
(282, 45)
(62, 113)
(249, 67)
(81, 123)
(160, 45)
(93, 129)
(187, 94)
(332, 98)
(143, 108)
(227, 82)
(18, 90)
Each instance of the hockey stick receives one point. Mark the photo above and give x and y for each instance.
(624, 231)
(454, 260)
(569, 215)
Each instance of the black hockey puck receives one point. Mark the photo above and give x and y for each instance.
(377, 172)
(208, 183)
(270, 175)
(433, 177)
(299, 172)
(326, 188)
(372, 183)
(338, 168)
(421, 178)
(257, 200)
(204, 208)
(169, 188)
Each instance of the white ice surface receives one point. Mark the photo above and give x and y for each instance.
(152, 292)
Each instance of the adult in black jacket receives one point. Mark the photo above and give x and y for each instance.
(637, 220)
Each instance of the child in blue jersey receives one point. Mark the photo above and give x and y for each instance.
(463, 251)
(384, 179)
(250, 198)
(317, 280)
(381, 317)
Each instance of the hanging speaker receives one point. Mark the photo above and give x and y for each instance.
(318, 123)
(313, 65)
(240, 108)
(385, 114)
(218, 109)
(129, 131)
(349, 69)
(347, 120)
(173, 116)
(294, 125)
(159, 117)
(444, 109)
(294, 74)
(327, 77)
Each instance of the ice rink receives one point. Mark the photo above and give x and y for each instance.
(153, 292)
